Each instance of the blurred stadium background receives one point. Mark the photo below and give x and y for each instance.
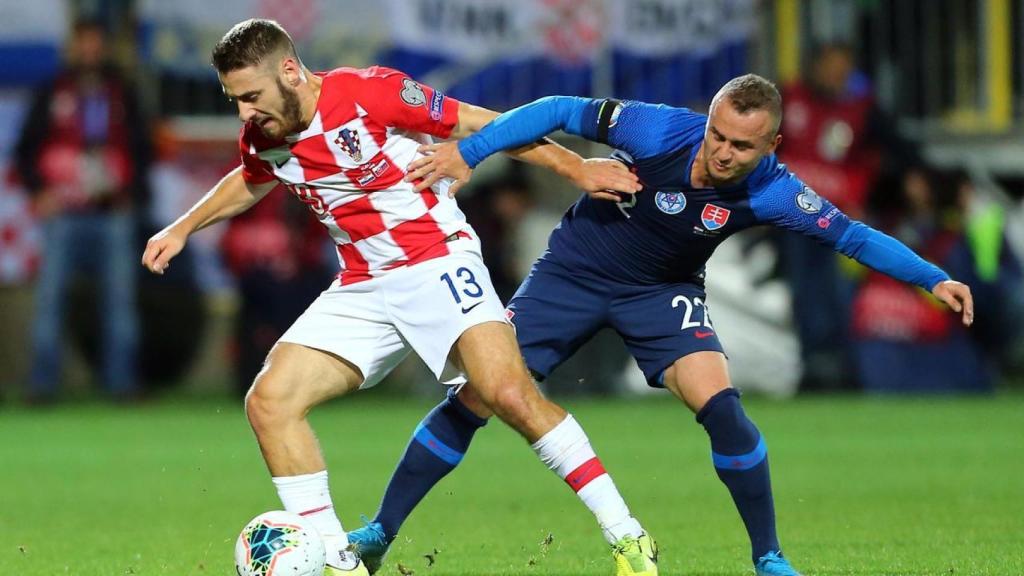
(944, 77)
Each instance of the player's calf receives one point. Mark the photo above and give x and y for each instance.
(740, 457)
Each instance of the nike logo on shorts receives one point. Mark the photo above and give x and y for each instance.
(466, 309)
(700, 334)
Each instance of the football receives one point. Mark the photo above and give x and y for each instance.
(279, 544)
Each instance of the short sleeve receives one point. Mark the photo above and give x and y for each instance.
(254, 170)
(395, 99)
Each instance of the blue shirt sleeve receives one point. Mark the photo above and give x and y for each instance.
(787, 203)
(526, 124)
(642, 130)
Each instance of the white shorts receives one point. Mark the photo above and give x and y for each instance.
(424, 307)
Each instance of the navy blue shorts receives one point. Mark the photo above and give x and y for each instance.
(556, 311)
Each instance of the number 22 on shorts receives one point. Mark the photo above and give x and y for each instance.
(688, 308)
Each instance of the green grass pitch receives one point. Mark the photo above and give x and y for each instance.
(862, 487)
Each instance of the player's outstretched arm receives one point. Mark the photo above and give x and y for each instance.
(601, 178)
(791, 205)
(231, 196)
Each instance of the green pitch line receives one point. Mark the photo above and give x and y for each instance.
(862, 487)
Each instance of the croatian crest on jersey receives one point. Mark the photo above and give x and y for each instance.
(808, 201)
(670, 202)
(348, 141)
(714, 217)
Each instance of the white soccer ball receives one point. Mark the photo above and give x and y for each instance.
(279, 544)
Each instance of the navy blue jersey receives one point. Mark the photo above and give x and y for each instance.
(667, 232)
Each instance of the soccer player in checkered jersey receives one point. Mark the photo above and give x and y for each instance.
(411, 273)
(636, 264)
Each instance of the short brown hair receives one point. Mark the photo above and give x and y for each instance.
(249, 43)
(753, 92)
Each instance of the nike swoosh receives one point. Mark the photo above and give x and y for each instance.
(700, 334)
(468, 308)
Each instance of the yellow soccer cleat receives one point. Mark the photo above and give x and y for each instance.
(636, 556)
(345, 564)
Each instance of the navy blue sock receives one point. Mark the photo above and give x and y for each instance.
(435, 449)
(741, 460)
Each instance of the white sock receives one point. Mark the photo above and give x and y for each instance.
(566, 450)
(309, 496)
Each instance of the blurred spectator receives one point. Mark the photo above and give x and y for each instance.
(83, 156)
(905, 340)
(988, 264)
(277, 252)
(839, 141)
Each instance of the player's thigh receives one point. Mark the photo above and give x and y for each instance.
(489, 356)
(554, 312)
(341, 342)
(663, 324)
(299, 377)
(433, 303)
(696, 377)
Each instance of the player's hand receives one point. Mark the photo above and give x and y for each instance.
(163, 246)
(439, 161)
(957, 296)
(605, 179)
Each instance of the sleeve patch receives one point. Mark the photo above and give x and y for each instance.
(808, 201)
(437, 106)
(412, 93)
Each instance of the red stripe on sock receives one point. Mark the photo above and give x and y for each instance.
(584, 473)
(315, 510)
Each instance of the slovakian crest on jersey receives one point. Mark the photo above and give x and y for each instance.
(714, 217)
(349, 167)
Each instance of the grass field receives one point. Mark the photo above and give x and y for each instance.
(862, 486)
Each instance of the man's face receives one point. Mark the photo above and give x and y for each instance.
(89, 47)
(832, 71)
(734, 143)
(264, 98)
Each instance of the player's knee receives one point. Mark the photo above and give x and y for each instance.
(515, 401)
(268, 403)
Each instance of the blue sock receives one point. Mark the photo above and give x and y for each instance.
(741, 460)
(435, 449)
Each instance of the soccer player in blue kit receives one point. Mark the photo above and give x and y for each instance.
(637, 266)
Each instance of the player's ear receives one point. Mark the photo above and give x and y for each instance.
(291, 71)
(775, 143)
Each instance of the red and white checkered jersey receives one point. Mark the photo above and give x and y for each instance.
(348, 167)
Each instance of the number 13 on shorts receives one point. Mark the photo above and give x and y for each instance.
(464, 288)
